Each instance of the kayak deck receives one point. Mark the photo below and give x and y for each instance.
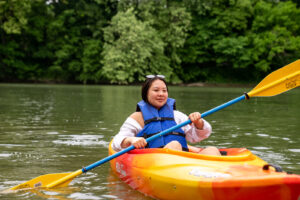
(169, 174)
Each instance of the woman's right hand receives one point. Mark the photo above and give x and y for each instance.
(137, 142)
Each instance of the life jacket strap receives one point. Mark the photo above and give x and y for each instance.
(183, 148)
(172, 133)
(155, 119)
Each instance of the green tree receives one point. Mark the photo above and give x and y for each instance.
(216, 40)
(16, 46)
(237, 40)
(132, 50)
(76, 38)
(189, 40)
(13, 15)
(171, 20)
(275, 35)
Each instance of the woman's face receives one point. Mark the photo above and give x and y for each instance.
(157, 94)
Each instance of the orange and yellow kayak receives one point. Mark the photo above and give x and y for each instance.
(169, 174)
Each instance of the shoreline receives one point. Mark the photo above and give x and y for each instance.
(204, 84)
(195, 84)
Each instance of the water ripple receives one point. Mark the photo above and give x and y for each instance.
(81, 140)
(79, 195)
(294, 150)
(5, 155)
(262, 135)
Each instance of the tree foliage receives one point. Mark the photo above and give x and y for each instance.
(13, 15)
(240, 39)
(132, 50)
(110, 41)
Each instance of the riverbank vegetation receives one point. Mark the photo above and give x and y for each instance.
(111, 41)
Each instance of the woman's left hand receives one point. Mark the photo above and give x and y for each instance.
(196, 119)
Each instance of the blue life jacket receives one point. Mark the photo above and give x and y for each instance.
(156, 121)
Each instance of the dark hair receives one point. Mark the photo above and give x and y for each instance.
(147, 84)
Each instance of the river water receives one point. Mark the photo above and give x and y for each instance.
(61, 128)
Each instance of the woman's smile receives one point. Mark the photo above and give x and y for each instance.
(158, 94)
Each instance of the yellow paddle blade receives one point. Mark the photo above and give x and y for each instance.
(66, 179)
(41, 181)
(48, 181)
(279, 81)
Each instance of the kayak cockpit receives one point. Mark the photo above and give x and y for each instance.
(229, 154)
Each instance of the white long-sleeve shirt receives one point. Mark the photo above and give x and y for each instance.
(131, 128)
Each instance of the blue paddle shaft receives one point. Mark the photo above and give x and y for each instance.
(104, 160)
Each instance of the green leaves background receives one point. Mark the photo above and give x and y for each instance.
(119, 42)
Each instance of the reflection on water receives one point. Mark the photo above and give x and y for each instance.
(120, 190)
(56, 128)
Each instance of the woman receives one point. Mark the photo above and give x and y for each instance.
(155, 113)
